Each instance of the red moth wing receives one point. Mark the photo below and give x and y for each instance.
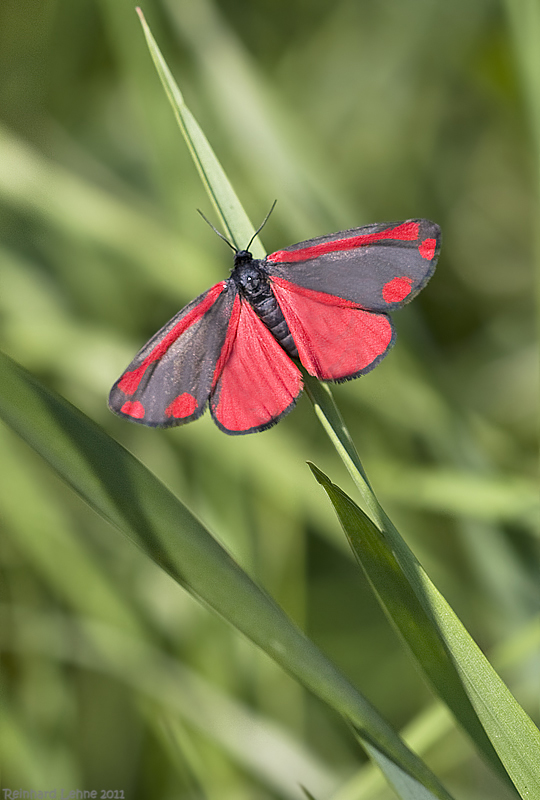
(170, 379)
(380, 267)
(336, 339)
(256, 381)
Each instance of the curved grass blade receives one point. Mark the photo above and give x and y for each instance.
(125, 493)
(232, 215)
(455, 666)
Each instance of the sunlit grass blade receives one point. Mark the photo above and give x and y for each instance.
(233, 217)
(435, 635)
(406, 786)
(125, 493)
(425, 732)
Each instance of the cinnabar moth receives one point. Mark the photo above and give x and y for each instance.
(322, 302)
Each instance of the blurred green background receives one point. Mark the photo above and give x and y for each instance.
(347, 112)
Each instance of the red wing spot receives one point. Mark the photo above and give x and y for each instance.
(130, 381)
(427, 248)
(396, 290)
(182, 406)
(133, 409)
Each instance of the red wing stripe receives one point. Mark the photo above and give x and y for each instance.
(229, 340)
(312, 294)
(131, 380)
(407, 232)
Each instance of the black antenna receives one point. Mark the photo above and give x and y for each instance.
(261, 226)
(259, 229)
(218, 233)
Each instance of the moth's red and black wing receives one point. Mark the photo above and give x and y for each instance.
(333, 289)
(215, 349)
(380, 267)
(170, 379)
(336, 340)
(256, 381)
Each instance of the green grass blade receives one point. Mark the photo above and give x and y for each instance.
(238, 227)
(432, 631)
(125, 493)
(406, 786)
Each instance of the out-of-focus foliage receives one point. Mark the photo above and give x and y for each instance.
(348, 113)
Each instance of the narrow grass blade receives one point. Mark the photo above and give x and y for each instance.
(125, 493)
(455, 666)
(406, 787)
(234, 219)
